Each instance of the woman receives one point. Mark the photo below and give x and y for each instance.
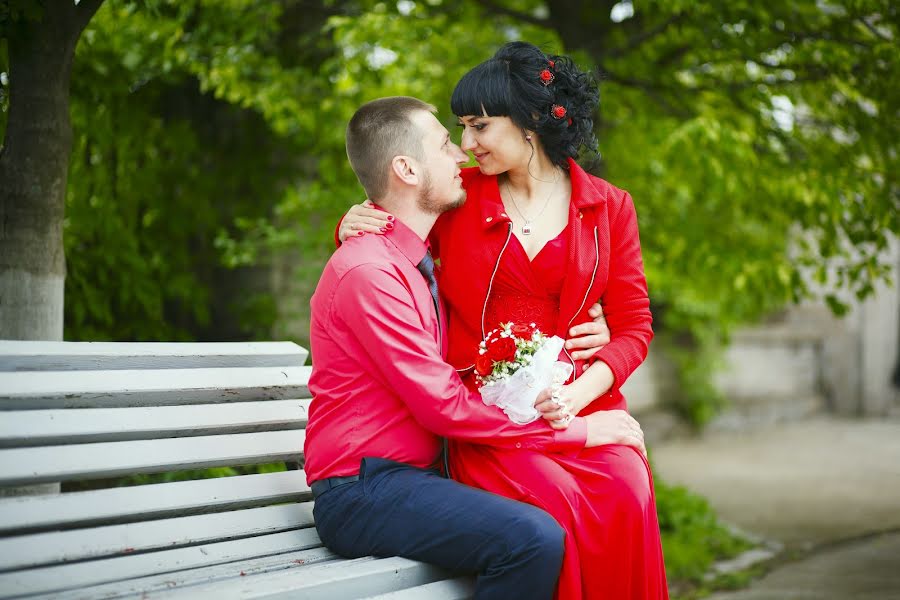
(537, 241)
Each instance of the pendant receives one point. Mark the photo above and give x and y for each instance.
(526, 229)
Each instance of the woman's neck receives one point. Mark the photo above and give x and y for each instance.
(531, 183)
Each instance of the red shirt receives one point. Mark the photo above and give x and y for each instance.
(380, 384)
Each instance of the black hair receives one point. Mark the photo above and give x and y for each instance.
(510, 85)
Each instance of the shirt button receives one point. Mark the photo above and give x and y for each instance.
(580, 215)
(518, 444)
(502, 214)
(489, 219)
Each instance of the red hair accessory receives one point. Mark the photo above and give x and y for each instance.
(558, 111)
(570, 120)
(546, 77)
(551, 63)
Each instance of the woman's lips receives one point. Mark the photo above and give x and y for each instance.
(478, 157)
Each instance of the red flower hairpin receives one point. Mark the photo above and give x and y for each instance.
(551, 63)
(558, 111)
(546, 77)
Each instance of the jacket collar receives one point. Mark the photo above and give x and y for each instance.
(587, 192)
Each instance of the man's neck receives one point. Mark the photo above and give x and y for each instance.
(409, 213)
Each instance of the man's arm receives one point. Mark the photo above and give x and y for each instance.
(377, 306)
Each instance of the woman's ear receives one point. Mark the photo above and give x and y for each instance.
(405, 169)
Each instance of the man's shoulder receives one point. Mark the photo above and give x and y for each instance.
(368, 252)
(356, 262)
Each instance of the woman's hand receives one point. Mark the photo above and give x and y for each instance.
(364, 218)
(589, 337)
(559, 406)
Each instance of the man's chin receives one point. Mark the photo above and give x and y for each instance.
(460, 200)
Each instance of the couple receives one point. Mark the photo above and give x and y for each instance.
(565, 507)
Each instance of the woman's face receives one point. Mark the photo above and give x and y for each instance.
(498, 144)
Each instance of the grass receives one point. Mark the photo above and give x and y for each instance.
(693, 540)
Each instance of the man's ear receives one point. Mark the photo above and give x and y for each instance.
(406, 169)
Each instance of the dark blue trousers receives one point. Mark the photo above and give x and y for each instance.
(515, 549)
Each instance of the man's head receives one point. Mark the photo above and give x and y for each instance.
(397, 146)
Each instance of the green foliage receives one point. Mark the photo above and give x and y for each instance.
(693, 538)
(159, 170)
(758, 141)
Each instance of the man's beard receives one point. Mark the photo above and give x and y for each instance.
(429, 205)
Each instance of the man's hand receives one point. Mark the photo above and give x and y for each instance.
(364, 218)
(614, 427)
(589, 337)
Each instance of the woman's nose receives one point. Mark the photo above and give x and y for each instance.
(468, 140)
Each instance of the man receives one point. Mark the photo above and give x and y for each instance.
(383, 394)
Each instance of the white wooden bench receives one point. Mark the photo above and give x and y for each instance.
(98, 411)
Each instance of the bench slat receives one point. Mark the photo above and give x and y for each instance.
(357, 578)
(157, 585)
(83, 425)
(41, 549)
(107, 389)
(26, 466)
(68, 577)
(153, 585)
(72, 356)
(461, 588)
(153, 501)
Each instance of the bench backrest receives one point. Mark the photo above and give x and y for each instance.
(97, 411)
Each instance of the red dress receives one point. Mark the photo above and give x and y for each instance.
(603, 497)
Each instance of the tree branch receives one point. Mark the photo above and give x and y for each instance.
(644, 36)
(650, 88)
(515, 14)
(873, 29)
(84, 12)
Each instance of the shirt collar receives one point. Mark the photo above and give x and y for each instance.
(407, 242)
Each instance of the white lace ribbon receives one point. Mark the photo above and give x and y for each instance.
(516, 394)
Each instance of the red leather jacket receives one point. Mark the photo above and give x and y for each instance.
(604, 263)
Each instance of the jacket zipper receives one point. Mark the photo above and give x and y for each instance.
(584, 300)
(490, 287)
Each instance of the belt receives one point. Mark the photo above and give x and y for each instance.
(323, 485)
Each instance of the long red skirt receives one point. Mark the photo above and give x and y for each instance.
(603, 498)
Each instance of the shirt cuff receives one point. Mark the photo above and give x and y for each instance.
(573, 438)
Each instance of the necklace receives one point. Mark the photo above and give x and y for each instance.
(526, 227)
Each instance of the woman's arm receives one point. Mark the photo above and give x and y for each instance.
(626, 307)
(626, 303)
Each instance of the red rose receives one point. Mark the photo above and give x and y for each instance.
(559, 111)
(546, 77)
(503, 349)
(484, 365)
(522, 331)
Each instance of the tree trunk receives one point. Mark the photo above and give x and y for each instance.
(34, 163)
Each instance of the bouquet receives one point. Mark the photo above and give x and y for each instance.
(515, 362)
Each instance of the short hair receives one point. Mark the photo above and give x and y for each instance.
(379, 131)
